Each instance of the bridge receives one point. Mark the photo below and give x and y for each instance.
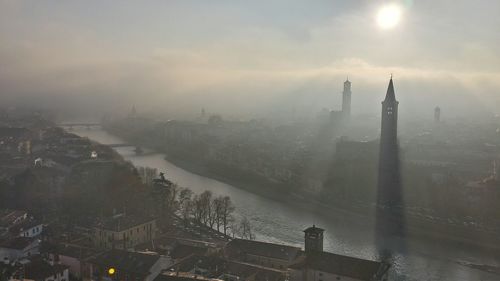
(88, 125)
(119, 145)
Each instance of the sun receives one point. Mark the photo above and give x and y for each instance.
(389, 16)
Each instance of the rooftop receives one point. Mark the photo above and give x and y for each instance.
(9, 217)
(123, 222)
(314, 229)
(341, 265)
(132, 262)
(39, 269)
(263, 249)
(17, 243)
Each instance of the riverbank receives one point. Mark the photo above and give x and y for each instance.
(277, 222)
(416, 229)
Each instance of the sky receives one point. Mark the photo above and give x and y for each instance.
(249, 58)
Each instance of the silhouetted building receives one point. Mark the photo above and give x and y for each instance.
(437, 114)
(389, 179)
(317, 265)
(313, 237)
(123, 231)
(346, 99)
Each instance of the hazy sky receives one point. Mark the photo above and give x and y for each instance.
(239, 56)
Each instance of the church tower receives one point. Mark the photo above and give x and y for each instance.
(313, 239)
(346, 99)
(389, 178)
(437, 114)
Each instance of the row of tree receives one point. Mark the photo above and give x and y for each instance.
(215, 212)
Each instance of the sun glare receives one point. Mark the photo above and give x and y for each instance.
(389, 16)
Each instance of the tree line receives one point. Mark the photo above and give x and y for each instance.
(213, 211)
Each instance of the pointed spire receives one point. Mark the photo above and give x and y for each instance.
(390, 96)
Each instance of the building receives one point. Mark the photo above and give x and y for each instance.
(313, 237)
(18, 248)
(437, 114)
(124, 265)
(261, 253)
(324, 266)
(27, 228)
(9, 218)
(346, 99)
(317, 265)
(123, 231)
(72, 256)
(389, 178)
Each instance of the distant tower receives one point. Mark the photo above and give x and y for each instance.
(203, 113)
(133, 112)
(346, 99)
(389, 178)
(495, 170)
(437, 114)
(313, 239)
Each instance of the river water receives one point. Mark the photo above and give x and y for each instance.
(278, 222)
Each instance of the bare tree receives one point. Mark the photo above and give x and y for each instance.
(185, 203)
(226, 213)
(171, 198)
(206, 205)
(218, 207)
(245, 229)
(185, 194)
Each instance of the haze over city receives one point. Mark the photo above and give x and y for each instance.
(229, 140)
(259, 56)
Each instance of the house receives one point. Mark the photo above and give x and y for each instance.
(27, 228)
(124, 265)
(9, 218)
(261, 253)
(124, 231)
(17, 248)
(74, 257)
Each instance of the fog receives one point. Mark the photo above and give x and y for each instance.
(261, 57)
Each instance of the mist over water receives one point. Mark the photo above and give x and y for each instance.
(278, 222)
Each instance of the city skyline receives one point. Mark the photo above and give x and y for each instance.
(201, 55)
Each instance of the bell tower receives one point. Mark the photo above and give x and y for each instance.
(313, 239)
(389, 178)
(437, 114)
(346, 99)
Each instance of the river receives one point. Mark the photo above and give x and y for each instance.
(278, 222)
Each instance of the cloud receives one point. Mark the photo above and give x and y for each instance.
(256, 55)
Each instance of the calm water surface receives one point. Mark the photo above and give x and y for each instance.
(278, 222)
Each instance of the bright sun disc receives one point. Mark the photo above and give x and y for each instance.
(388, 16)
